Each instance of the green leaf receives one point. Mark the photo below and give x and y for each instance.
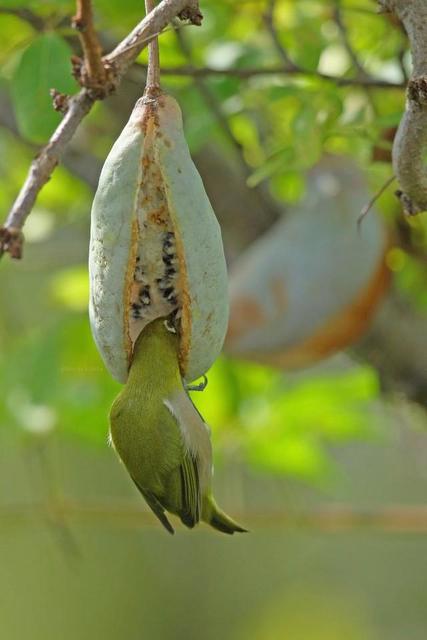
(288, 186)
(15, 34)
(44, 65)
(279, 161)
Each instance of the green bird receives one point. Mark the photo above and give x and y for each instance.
(161, 437)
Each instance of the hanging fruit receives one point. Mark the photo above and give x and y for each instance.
(311, 284)
(156, 247)
(159, 305)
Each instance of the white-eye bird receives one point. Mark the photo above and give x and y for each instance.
(161, 437)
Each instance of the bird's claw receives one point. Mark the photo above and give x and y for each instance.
(198, 387)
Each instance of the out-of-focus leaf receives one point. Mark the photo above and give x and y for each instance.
(246, 133)
(44, 65)
(15, 33)
(279, 161)
(289, 186)
(52, 375)
(284, 425)
(70, 288)
(411, 277)
(287, 428)
(56, 379)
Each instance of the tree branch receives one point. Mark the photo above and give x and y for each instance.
(94, 70)
(410, 143)
(116, 65)
(81, 164)
(40, 172)
(130, 47)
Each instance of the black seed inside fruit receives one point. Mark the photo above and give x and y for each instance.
(144, 295)
(136, 311)
(139, 275)
(168, 260)
(167, 283)
(176, 314)
(155, 283)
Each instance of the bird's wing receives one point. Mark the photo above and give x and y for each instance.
(190, 491)
(156, 507)
(194, 431)
(191, 430)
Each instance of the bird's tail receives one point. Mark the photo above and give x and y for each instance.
(213, 515)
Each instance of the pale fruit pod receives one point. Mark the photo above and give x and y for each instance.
(156, 248)
(310, 285)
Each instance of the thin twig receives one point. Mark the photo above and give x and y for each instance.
(153, 69)
(28, 16)
(125, 53)
(271, 28)
(260, 193)
(94, 70)
(117, 63)
(290, 67)
(346, 41)
(373, 200)
(211, 103)
(333, 519)
(361, 72)
(401, 60)
(245, 73)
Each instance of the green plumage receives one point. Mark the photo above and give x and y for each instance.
(161, 438)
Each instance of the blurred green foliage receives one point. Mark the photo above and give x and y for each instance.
(45, 64)
(52, 376)
(273, 432)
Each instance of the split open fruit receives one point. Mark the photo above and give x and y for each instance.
(156, 247)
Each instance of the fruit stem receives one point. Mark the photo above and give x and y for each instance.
(153, 69)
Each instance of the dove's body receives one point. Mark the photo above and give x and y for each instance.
(160, 436)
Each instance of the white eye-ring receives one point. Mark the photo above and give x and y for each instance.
(169, 326)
